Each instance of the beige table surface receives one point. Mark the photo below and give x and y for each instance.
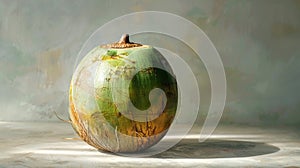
(25, 144)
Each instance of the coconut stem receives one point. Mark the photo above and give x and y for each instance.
(124, 39)
(122, 43)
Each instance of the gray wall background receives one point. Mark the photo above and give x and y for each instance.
(258, 42)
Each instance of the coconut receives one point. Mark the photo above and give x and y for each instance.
(123, 97)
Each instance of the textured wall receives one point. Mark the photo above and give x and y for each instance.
(258, 42)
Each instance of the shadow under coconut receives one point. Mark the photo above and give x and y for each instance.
(191, 148)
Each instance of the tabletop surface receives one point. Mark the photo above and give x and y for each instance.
(35, 144)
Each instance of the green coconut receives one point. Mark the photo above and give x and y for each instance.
(110, 97)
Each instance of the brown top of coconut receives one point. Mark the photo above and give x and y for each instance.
(122, 43)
